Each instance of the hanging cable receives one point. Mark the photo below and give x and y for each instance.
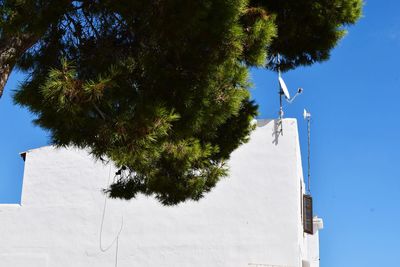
(307, 116)
(309, 155)
(116, 251)
(116, 239)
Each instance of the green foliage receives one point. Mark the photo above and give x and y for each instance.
(161, 87)
(308, 29)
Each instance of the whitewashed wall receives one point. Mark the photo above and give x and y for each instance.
(252, 217)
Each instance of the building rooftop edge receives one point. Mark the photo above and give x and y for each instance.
(260, 123)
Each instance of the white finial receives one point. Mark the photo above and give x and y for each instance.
(306, 115)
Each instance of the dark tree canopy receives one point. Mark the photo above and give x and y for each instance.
(160, 87)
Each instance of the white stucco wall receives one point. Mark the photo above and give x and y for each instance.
(252, 217)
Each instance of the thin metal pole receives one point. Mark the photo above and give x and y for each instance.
(280, 105)
(280, 124)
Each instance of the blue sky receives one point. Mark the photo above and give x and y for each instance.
(353, 99)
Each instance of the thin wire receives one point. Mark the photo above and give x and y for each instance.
(116, 252)
(116, 239)
(309, 154)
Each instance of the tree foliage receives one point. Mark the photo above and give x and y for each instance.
(160, 87)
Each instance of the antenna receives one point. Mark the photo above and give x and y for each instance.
(284, 91)
(307, 116)
(283, 87)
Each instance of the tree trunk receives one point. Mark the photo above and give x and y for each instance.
(10, 50)
(4, 73)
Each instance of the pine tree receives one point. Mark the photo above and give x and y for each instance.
(159, 87)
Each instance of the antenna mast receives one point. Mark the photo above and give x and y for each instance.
(283, 92)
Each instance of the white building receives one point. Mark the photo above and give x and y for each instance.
(252, 218)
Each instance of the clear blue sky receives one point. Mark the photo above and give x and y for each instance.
(355, 139)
